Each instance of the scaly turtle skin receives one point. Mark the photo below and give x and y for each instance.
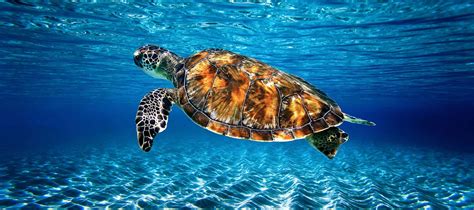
(239, 97)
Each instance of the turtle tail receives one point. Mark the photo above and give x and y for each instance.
(356, 120)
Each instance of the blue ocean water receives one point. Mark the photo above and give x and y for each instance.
(69, 91)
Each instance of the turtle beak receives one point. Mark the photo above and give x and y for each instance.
(137, 58)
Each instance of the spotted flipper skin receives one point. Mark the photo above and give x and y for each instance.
(328, 141)
(152, 116)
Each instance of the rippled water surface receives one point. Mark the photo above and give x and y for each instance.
(404, 48)
(69, 91)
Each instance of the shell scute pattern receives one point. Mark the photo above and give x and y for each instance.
(227, 95)
(261, 108)
(203, 82)
(293, 114)
(245, 98)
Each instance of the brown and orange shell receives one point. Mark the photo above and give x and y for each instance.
(241, 97)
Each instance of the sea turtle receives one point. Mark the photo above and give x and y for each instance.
(239, 97)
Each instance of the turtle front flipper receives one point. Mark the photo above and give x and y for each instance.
(328, 141)
(152, 116)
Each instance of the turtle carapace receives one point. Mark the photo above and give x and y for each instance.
(240, 97)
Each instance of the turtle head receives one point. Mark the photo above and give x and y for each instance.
(156, 61)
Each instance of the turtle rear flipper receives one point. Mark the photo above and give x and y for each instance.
(152, 116)
(328, 141)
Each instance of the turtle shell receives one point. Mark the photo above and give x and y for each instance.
(241, 97)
